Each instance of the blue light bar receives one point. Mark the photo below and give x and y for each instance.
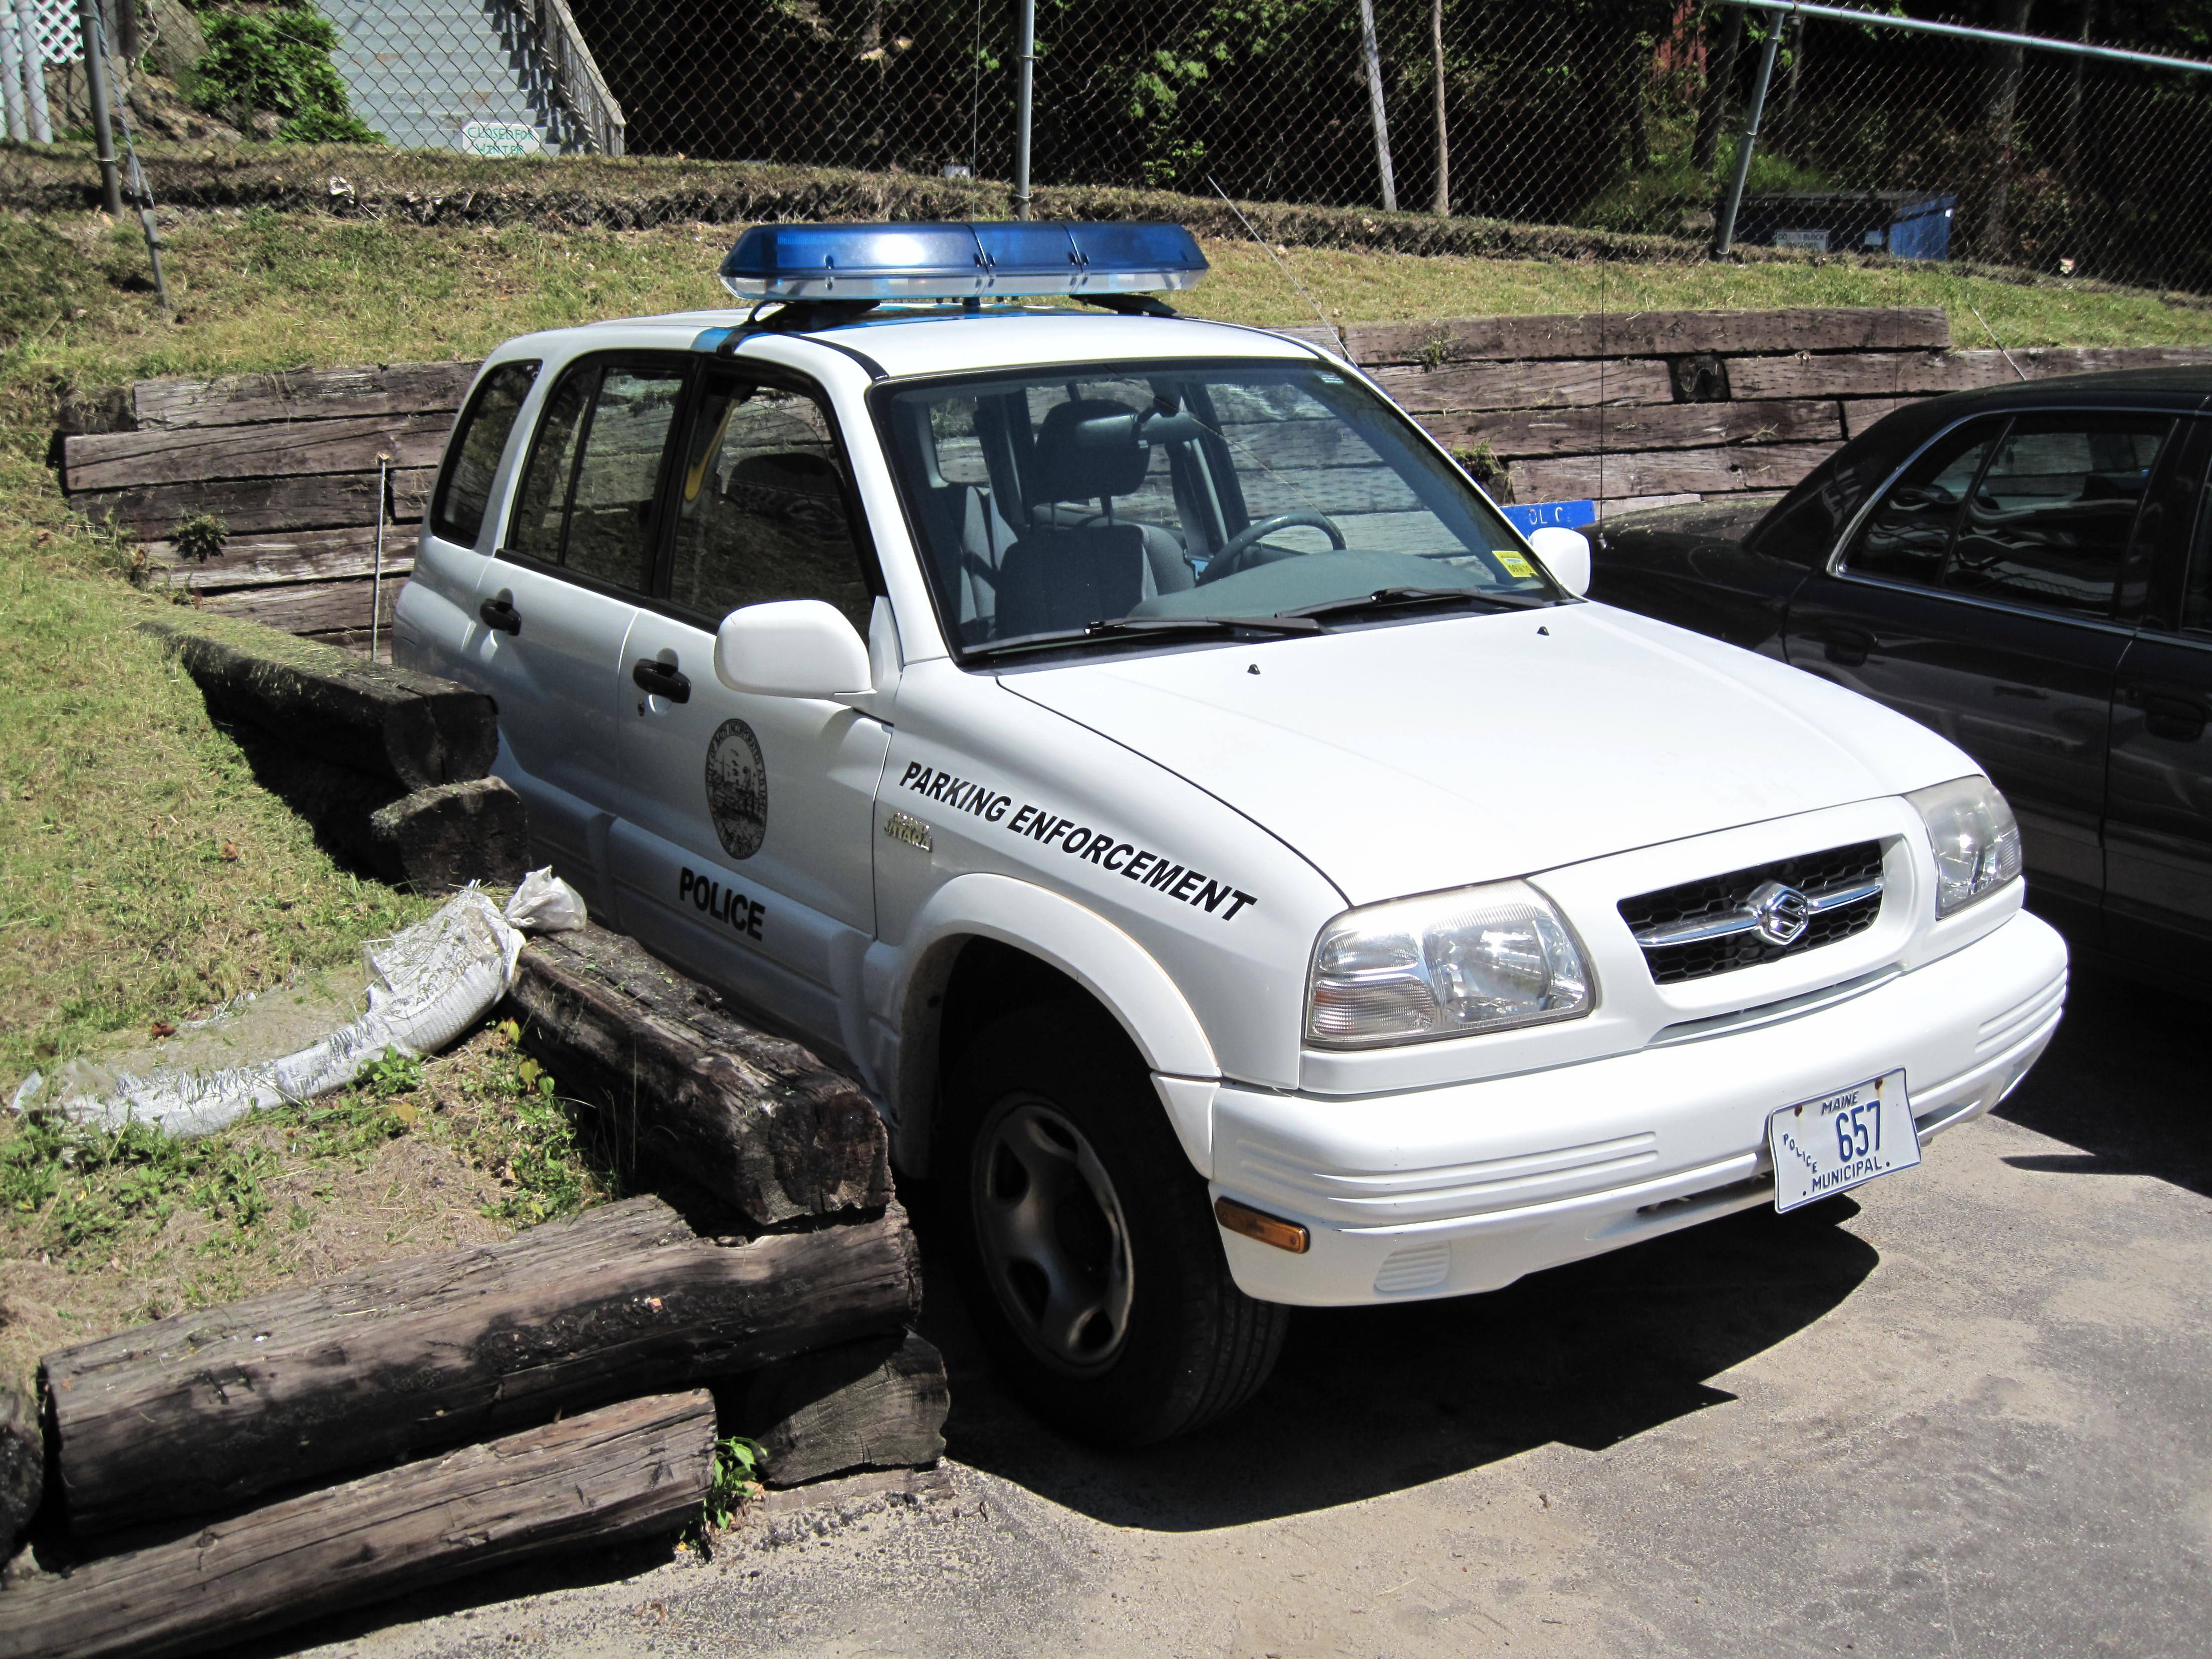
(1000, 259)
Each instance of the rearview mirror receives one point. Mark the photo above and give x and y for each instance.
(1565, 553)
(792, 648)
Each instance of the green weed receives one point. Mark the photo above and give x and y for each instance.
(736, 1478)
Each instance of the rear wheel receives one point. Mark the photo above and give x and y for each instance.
(1089, 1253)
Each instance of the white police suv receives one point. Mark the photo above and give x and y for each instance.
(1242, 870)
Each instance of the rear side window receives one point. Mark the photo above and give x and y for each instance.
(457, 514)
(1907, 536)
(587, 497)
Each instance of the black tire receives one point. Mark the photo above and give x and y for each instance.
(1171, 1342)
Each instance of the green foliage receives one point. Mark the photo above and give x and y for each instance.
(737, 1478)
(90, 1185)
(200, 539)
(394, 1073)
(544, 1153)
(279, 61)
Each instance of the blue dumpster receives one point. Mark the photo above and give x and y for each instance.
(1921, 229)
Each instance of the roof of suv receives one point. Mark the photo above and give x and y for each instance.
(943, 339)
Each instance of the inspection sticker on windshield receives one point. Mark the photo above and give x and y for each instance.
(1824, 1144)
(1514, 563)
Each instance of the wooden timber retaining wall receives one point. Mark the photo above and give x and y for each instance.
(1628, 408)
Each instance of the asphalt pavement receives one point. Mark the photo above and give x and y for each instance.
(1965, 1411)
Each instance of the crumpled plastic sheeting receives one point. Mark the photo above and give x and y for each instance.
(427, 986)
(544, 903)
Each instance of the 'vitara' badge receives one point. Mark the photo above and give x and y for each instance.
(737, 789)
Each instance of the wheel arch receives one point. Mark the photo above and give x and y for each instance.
(939, 965)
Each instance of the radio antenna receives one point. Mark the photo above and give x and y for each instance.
(1327, 327)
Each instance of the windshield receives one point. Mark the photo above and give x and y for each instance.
(1048, 503)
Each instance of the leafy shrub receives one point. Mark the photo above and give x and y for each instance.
(279, 61)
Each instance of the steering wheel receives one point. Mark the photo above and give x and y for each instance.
(1242, 550)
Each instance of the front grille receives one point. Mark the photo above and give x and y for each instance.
(1844, 884)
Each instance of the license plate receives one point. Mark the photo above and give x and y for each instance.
(1837, 1141)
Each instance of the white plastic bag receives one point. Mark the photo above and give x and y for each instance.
(544, 903)
(426, 987)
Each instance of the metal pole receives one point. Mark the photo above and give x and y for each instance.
(11, 85)
(1724, 231)
(1372, 54)
(1917, 26)
(1021, 128)
(34, 72)
(95, 88)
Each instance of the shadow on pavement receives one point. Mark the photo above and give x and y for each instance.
(1372, 1401)
(2123, 1081)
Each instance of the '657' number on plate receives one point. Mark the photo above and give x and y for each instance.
(1838, 1140)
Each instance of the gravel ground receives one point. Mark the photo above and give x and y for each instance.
(1963, 1412)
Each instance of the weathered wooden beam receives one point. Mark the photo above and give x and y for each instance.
(1655, 426)
(1650, 334)
(624, 1472)
(1860, 413)
(1667, 472)
(414, 729)
(22, 1467)
(757, 1119)
(302, 394)
(876, 1404)
(346, 444)
(258, 505)
(302, 556)
(1456, 388)
(310, 607)
(1896, 374)
(205, 1411)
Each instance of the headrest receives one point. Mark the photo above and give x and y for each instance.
(1086, 449)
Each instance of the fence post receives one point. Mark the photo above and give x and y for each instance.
(12, 84)
(34, 73)
(1373, 54)
(103, 119)
(1023, 127)
(1724, 231)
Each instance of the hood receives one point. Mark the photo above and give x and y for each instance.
(1428, 755)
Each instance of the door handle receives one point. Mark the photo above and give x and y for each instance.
(661, 680)
(1848, 646)
(500, 616)
(2177, 720)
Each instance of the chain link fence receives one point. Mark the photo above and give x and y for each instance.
(1607, 115)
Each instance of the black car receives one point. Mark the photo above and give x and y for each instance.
(2027, 569)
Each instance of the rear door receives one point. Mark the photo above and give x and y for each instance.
(743, 848)
(1988, 594)
(2159, 822)
(556, 600)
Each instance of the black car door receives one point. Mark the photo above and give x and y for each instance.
(2158, 824)
(1987, 594)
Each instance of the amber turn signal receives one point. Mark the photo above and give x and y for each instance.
(1267, 1229)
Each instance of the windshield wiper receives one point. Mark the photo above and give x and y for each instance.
(1387, 598)
(1125, 628)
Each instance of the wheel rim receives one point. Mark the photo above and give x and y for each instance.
(1053, 1241)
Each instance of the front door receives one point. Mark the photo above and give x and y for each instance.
(742, 843)
(1982, 596)
(558, 597)
(2158, 826)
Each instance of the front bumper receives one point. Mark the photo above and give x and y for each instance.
(1444, 1191)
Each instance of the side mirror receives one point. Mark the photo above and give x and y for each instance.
(792, 648)
(1565, 553)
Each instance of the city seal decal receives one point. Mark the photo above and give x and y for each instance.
(737, 789)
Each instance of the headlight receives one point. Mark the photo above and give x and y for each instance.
(1450, 965)
(1975, 840)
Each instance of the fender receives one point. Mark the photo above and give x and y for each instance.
(903, 979)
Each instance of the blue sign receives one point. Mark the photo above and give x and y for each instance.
(1535, 515)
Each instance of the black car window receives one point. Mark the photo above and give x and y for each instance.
(761, 511)
(1907, 536)
(457, 513)
(2048, 521)
(586, 501)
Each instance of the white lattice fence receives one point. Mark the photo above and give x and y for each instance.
(60, 38)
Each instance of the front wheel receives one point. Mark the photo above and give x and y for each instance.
(1089, 1254)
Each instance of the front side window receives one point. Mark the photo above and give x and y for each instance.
(1048, 503)
(1908, 535)
(587, 500)
(464, 491)
(761, 512)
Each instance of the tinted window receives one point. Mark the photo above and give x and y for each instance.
(472, 459)
(586, 501)
(2048, 522)
(762, 513)
(1907, 535)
